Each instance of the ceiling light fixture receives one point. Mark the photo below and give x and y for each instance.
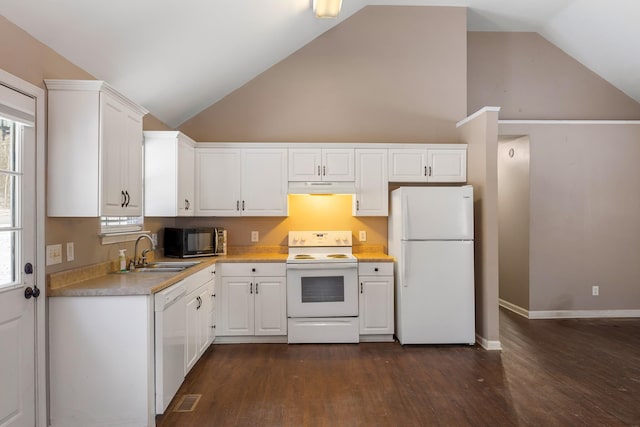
(327, 8)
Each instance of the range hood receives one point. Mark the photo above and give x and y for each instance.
(322, 187)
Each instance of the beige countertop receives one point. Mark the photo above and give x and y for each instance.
(97, 280)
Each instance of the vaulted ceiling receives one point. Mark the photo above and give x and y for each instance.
(178, 57)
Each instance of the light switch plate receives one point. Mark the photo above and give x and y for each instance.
(255, 236)
(70, 251)
(54, 254)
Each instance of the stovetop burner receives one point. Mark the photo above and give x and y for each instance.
(320, 247)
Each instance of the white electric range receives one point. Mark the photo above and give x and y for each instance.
(322, 288)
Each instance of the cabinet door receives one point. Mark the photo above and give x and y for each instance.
(338, 164)
(204, 318)
(305, 164)
(446, 165)
(407, 165)
(186, 186)
(372, 185)
(376, 305)
(132, 164)
(218, 182)
(191, 333)
(237, 308)
(264, 182)
(113, 130)
(270, 306)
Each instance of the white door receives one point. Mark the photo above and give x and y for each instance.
(436, 293)
(437, 213)
(270, 306)
(264, 182)
(237, 306)
(17, 259)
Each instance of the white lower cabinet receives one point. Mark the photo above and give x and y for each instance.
(253, 299)
(200, 291)
(101, 361)
(376, 300)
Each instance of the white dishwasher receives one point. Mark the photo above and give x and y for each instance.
(170, 336)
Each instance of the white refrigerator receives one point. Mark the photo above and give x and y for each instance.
(431, 238)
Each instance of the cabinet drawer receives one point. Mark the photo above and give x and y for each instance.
(253, 269)
(375, 269)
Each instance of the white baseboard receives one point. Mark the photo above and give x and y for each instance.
(566, 314)
(250, 339)
(487, 344)
(582, 314)
(376, 338)
(515, 308)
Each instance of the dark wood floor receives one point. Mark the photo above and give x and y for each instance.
(550, 373)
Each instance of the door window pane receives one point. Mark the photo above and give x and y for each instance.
(7, 189)
(7, 261)
(7, 152)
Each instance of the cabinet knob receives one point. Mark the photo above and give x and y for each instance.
(375, 269)
(253, 270)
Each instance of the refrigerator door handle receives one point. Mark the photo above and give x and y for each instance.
(405, 267)
(405, 218)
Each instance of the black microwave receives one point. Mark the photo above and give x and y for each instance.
(195, 242)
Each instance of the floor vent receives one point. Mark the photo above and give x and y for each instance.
(187, 403)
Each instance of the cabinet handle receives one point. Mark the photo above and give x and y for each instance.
(429, 170)
(128, 197)
(251, 288)
(425, 171)
(124, 198)
(186, 204)
(243, 205)
(318, 170)
(199, 303)
(324, 171)
(357, 205)
(257, 288)
(361, 287)
(237, 205)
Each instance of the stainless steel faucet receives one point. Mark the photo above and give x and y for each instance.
(142, 261)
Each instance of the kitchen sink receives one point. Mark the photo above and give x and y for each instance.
(159, 270)
(172, 264)
(165, 267)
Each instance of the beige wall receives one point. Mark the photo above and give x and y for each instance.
(584, 215)
(305, 213)
(481, 135)
(27, 58)
(513, 219)
(386, 74)
(530, 78)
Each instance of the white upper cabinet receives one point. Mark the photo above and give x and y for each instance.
(241, 182)
(372, 185)
(94, 151)
(321, 164)
(432, 164)
(169, 160)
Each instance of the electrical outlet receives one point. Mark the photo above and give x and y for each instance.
(70, 252)
(54, 254)
(255, 236)
(595, 291)
(362, 236)
(154, 239)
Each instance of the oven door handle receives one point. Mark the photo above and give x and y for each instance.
(323, 266)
